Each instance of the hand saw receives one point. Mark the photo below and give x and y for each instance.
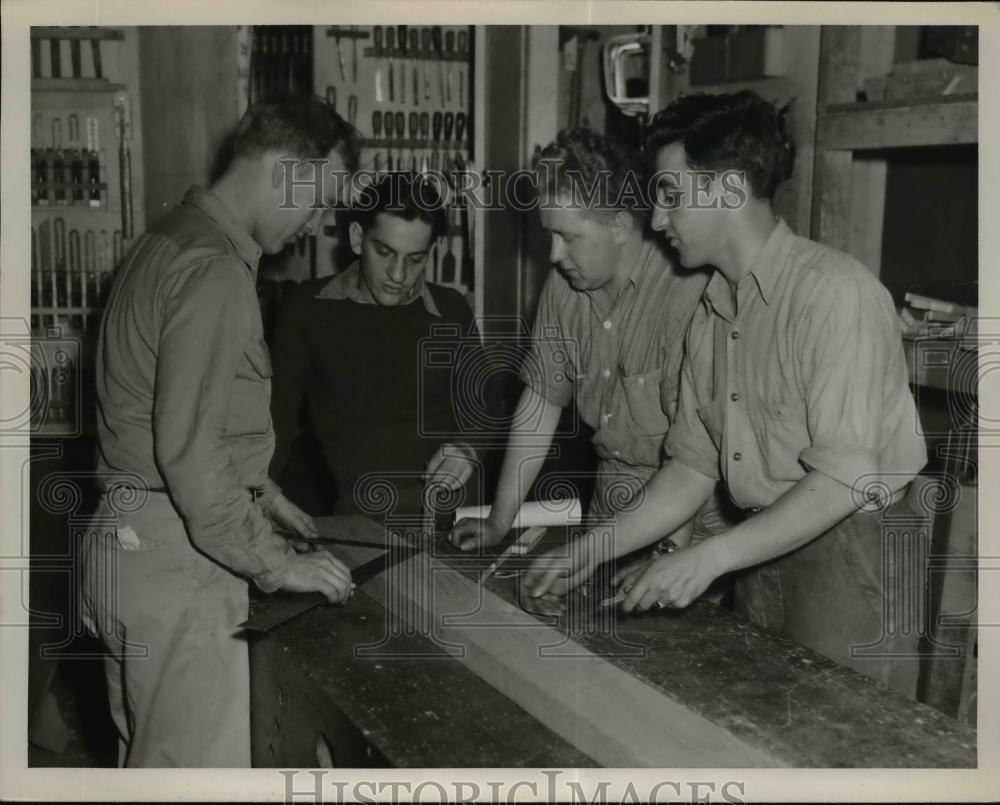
(281, 607)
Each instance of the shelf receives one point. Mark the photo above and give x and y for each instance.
(49, 32)
(937, 120)
(74, 85)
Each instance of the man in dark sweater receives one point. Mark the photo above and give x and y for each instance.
(373, 353)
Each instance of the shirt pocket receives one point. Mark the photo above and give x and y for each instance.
(784, 435)
(249, 405)
(646, 416)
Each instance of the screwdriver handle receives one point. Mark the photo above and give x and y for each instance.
(438, 123)
(460, 126)
(449, 124)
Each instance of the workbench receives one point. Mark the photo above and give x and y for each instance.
(737, 695)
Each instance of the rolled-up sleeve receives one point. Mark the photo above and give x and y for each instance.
(549, 368)
(847, 347)
(205, 329)
(688, 440)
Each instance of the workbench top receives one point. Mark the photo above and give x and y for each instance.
(796, 706)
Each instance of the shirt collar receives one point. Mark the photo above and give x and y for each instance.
(765, 270)
(210, 204)
(348, 285)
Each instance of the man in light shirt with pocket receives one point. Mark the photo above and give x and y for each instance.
(609, 332)
(795, 393)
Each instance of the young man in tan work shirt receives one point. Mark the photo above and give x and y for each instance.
(794, 392)
(185, 437)
(608, 331)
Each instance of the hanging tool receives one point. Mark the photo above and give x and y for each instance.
(117, 252)
(415, 68)
(449, 46)
(352, 110)
(36, 58)
(468, 264)
(95, 52)
(36, 270)
(74, 57)
(390, 44)
(104, 258)
(463, 45)
(74, 278)
(58, 162)
(390, 126)
(425, 45)
(59, 264)
(449, 125)
(331, 96)
(439, 53)
(90, 287)
(401, 134)
(460, 121)
(401, 31)
(425, 131)
(40, 164)
(93, 163)
(123, 131)
(340, 53)
(377, 134)
(414, 133)
(436, 144)
(377, 35)
(279, 608)
(55, 55)
(448, 266)
(354, 52)
(76, 159)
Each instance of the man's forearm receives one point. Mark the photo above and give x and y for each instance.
(667, 503)
(813, 506)
(531, 434)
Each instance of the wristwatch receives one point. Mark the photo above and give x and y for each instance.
(665, 545)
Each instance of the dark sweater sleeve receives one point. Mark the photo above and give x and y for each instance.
(290, 359)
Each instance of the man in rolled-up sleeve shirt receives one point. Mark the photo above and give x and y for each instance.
(794, 393)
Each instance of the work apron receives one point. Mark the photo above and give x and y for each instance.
(853, 594)
(178, 679)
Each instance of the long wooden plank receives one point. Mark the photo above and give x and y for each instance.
(874, 126)
(607, 713)
(709, 669)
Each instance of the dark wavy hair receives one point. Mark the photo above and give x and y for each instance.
(305, 126)
(604, 173)
(406, 197)
(736, 131)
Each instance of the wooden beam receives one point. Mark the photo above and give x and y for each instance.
(877, 125)
(703, 689)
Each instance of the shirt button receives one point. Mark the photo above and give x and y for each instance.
(607, 325)
(735, 397)
(618, 453)
(642, 381)
(605, 417)
(737, 456)
(606, 373)
(735, 335)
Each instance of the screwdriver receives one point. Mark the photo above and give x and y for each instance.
(401, 134)
(425, 44)
(401, 38)
(377, 132)
(425, 126)
(331, 97)
(389, 127)
(438, 46)
(377, 34)
(414, 126)
(449, 46)
(449, 124)
(390, 43)
(463, 51)
(415, 50)
(436, 153)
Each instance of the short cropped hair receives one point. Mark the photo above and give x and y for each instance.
(406, 197)
(736, 131)
(581, 160)
(304, 126)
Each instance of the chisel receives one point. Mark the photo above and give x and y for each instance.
(425, 44)
(415, 50)
(123, 129)
(390, 44)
